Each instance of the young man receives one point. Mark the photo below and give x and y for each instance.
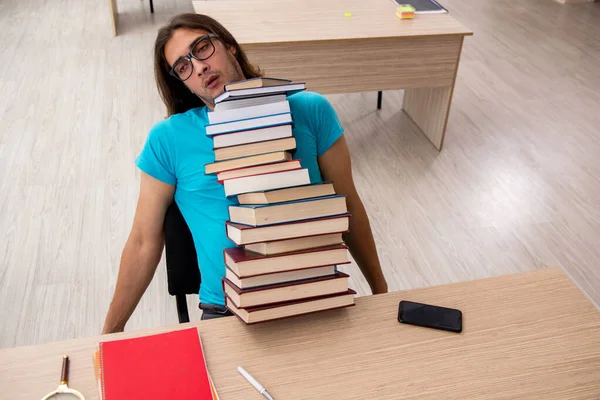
(194, 58)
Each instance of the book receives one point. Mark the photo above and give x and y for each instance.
(289, 291)
(167, 365)
(246, 264)
(289, 245)
(254, 149)
(245, 93)
(256, 82)
(252, 136)
(238, 114)
(236, 163)
(424, 6)
(244, 234)
(252, 315)
(288, 194)
(279, 277)
(249, 101)
(297, 210)
(259, 169)
(272, 180)
(98, 375)
(247, 124)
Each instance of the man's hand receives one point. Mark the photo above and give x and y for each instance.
(335, 165)
(142, 252)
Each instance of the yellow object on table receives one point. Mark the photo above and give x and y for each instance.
(405, 11)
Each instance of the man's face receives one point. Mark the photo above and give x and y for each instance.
(209, 76)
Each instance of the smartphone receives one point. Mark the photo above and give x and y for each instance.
(430, 316)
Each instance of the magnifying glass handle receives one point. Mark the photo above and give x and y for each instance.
(64, 376)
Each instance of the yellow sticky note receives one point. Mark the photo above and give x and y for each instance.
(406, 8)
(405, 11)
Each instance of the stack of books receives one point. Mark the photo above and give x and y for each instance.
(288, 231)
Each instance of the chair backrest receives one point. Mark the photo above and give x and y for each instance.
(183, 274)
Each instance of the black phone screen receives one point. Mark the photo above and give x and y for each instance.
(430, 316)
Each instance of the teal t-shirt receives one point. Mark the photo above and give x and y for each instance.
(176, 151)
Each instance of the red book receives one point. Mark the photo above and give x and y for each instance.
(246, 263)
(286, 291)
(157, 367)
(252, 315)
(258, 170)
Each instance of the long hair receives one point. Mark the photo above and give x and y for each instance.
(176, 96)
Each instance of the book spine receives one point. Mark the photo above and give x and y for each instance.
(101, 384)
(284, 222)
(246, 113)
(291, 238)
(297, 315)
(293, 270)
(234, 126)
(286, 162)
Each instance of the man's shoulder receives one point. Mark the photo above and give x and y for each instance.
(308, 105)
(306, 98)
(178, 123)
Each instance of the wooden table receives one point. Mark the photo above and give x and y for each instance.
(525, 336)
(313, 41)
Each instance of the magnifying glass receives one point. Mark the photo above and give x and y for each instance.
(63, 391)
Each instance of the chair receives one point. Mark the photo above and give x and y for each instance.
(183, 275)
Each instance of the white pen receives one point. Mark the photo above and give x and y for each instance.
(254, 383)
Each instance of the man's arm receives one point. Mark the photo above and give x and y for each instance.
(142, 252)
(335, 166)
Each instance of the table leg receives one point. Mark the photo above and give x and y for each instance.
(114, 15)
(379, 97)
(429, 108)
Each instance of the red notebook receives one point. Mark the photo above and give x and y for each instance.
(239, 255)
(158, 367)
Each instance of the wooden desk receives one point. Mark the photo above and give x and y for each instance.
(526, 336)
(372, 50)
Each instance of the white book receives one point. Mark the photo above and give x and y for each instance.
(252, 136)
(238, 114)
(246, 124)
(269, 181)
(252, 101)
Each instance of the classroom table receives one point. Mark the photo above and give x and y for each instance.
(530, 335)
(341, 46)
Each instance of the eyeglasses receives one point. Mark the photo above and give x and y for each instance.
(202, 49)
